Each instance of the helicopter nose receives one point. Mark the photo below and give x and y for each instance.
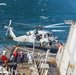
(55, 38)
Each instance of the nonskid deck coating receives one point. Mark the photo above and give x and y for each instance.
(26, 67)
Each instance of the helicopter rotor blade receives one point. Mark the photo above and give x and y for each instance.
(21, 24)
(53, 25)
(6, 32)
(10, 22)
(8, 27)
(57, 27)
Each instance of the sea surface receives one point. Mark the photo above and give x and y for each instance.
(35, 12)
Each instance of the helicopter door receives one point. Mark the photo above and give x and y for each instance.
(44, 38)
(50, 36)
(38, 37)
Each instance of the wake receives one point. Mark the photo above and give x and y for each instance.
(3, 4)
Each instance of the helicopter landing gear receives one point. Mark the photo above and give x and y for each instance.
(44, 43)
(50, 43)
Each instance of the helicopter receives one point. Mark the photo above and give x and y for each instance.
(36, 35)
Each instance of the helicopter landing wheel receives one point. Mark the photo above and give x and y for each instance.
(44, 43)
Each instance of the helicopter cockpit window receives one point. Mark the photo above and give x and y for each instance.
(28, 33)
(36, 31)
(49, 35)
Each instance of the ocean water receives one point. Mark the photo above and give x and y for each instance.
(35, 12)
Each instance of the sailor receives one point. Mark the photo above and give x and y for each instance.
(57, 43)
(32, 55)
(61, 47)
(4, 60)
(29, 58)
(15, 54)
(4, 52)
(0, 61)
(21, 56)
(4, 57)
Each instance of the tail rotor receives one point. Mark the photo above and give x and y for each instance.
(8, 27)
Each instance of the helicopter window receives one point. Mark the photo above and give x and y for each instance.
(49, 35)
(44, 35)
(40, 35)
(36, 32)
(27, 34)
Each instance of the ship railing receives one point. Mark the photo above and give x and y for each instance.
(41, 63)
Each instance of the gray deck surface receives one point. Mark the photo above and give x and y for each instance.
(25, 69)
